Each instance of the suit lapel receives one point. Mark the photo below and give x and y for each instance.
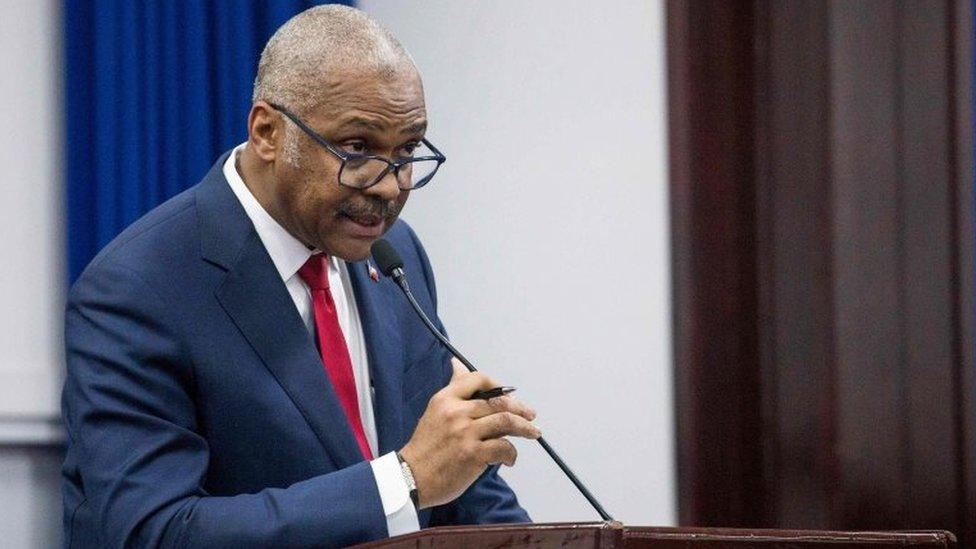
(258, 303)
(377, 314)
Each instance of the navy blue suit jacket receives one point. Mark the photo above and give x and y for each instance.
(197, 409)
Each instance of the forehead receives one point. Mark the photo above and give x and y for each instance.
(372, 101)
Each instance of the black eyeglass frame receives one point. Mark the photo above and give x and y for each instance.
(344, 156)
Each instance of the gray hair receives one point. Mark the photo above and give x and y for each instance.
(318, 42)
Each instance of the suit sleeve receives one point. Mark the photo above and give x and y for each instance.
(489, 499)
(135, 450)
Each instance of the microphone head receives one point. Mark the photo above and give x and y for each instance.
(386, 256)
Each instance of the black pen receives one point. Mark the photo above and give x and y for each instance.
(492, 393)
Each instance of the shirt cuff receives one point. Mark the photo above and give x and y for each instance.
(401, 516)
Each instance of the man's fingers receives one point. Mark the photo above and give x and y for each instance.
(499, 450)
(463, 385)
(459, 368)
(478, 408)
(512, 404)
(505, 424)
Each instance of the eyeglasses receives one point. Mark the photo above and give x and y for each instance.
(362, 171)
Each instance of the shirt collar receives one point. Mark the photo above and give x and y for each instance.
(287, 252)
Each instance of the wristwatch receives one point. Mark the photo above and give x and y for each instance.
(408, 478)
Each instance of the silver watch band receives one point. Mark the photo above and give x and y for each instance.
(409, 480)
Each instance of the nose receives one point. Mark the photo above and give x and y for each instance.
(387, 189)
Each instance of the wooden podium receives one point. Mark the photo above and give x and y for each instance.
(604, 535)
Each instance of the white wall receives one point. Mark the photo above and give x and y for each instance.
(32, 276)
(548, 229)
(30, 496)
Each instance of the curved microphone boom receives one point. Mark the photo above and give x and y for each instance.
(390, 264)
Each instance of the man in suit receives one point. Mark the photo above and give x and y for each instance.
(237, 375)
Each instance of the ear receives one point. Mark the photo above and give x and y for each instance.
(265, 131)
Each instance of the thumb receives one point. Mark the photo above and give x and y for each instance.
(459, 368)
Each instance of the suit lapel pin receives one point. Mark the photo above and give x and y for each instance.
(374, 275)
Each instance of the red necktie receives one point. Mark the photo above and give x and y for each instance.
(332, 344)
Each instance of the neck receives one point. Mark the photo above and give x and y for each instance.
(256, 178)
(259, 179)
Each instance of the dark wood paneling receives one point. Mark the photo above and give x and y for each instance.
(712, 207)
(960, 90)
(929, 268)
(795, 262)
(867, 255)
(822, 194)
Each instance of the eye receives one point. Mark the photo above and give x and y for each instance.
(408, 150)
(354, 147)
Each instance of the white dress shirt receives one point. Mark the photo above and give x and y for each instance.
(288, 255)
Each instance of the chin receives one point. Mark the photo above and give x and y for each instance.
(356, 250)
(350, 246)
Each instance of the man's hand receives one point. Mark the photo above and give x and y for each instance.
(457, 438)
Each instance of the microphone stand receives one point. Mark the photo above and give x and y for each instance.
(401, 280)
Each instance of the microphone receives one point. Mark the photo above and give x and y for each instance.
(391, 265)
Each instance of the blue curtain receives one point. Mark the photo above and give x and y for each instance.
(154, 92)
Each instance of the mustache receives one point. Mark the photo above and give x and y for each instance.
(388, 211)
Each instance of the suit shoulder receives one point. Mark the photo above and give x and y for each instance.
(399, 231)
(402, 236)
(165, 236)
(414, 256)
